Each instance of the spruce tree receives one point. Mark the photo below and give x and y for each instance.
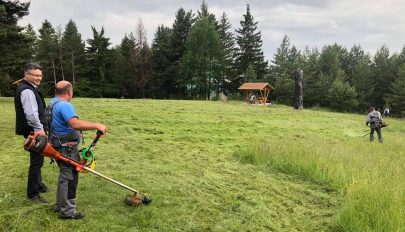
(48, 56)
(98, 57)
(228, 49)
(286, 61)
(127, 48)
(181, 27)
(73, 53)
(30, 33)
(14, 44)
(281, 73)
(250, 74)
(397, 95)
(161, 62)
(249, 49)
(203, 12)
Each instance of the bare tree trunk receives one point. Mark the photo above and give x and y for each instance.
(54, 70)
(61, 63)
(73, 70)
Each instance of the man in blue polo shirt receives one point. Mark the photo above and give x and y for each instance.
(65, 127)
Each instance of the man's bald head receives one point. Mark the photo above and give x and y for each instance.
(62, 87)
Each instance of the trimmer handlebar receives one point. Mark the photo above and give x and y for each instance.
(98, 135)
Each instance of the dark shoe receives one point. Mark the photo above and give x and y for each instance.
(75, 216)
(43, 188)
(38, 199)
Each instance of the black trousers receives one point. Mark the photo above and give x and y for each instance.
(34, 175)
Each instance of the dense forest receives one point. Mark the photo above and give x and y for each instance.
(197, 58)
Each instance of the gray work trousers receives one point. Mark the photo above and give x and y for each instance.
(67, 183)
(378, 130)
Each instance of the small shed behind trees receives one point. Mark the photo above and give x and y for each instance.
(263, 88)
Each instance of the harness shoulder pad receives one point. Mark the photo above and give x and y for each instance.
(49, 116)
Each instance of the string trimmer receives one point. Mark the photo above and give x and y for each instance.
(39, 143)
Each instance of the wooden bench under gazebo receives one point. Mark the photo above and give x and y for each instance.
(263, 88)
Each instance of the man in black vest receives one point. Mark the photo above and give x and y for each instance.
(30, 116)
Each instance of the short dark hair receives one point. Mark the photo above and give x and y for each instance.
(64, 90)
(32, 66)
(371, 109)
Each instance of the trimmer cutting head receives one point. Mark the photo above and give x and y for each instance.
(136, 199)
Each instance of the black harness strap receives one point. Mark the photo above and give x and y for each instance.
(49, 116)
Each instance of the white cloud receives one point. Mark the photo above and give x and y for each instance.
(312, 23)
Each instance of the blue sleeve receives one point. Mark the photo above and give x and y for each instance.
(68, 112)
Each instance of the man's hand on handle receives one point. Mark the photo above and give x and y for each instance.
(102, 128)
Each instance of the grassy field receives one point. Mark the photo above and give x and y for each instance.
(213, 166)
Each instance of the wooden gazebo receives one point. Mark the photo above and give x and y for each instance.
(264, 89)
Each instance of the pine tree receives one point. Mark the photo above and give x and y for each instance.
(363, 82)
(200, 64)
(329, 68)
(331, 60)
(342, 96)
(249, 49)
(312, 77)
(384, 75)
(354, 58)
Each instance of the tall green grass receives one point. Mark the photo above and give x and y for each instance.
(370, 176)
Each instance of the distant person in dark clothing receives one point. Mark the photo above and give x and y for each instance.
(30, 117)
(386, 112)
(374, 120)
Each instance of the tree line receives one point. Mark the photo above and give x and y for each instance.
(197, 58)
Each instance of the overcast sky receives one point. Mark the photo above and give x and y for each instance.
(312, 23)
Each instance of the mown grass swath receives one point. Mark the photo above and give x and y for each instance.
(213, 166)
